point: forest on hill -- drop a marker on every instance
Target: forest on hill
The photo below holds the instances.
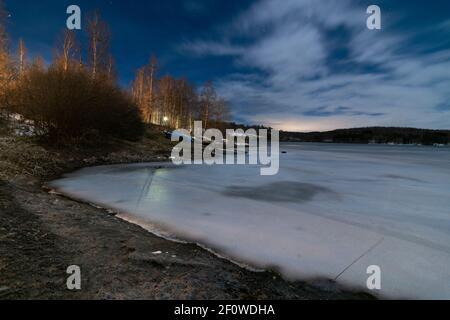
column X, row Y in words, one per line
column 381, row 135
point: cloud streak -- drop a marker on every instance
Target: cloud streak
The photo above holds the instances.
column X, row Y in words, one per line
column 315, row 66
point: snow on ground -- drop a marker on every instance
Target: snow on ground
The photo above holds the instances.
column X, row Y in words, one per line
column 332, row 211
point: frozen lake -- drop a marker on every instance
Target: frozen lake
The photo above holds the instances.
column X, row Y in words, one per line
column 332, row 211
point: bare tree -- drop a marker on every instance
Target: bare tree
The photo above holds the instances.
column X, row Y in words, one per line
column 7, row 66
column 111, row 70
column 138, row 87
column 22, row 57
column 69, row 51
column 220, row 113
column 208, row 97
column 150, row 97
column 39, row 63
column 99, row 58
column 144, row 91
column 164, row 114
column 4, row 40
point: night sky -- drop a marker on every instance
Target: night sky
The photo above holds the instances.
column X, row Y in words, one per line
column 290, row 64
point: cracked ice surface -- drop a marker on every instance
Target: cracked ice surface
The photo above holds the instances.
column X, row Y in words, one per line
column 333, row 210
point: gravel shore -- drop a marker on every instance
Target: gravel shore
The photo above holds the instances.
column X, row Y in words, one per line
column 41, row 234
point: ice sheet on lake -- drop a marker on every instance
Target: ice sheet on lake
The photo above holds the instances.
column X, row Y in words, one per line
column 332, row 211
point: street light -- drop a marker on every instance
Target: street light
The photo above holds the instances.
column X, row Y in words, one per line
column 165, row 119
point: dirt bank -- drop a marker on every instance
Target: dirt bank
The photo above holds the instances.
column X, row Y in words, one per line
column 41, row 234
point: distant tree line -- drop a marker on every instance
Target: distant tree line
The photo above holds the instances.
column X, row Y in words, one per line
column 373, row 135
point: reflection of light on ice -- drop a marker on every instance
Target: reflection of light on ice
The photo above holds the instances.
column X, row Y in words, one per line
column 323, row 215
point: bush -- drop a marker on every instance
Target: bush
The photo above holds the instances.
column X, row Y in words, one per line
column 70, row 104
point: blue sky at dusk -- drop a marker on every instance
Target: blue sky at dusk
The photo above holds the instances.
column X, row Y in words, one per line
column 291, row 64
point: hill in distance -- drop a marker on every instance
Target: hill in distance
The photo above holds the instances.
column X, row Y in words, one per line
column 382, row 135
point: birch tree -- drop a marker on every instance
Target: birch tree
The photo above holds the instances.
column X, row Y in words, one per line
column 144, row 91
column 208, row 97
column 7, row 65
column 175, row 102
column 99, row 58
column 69, row 51
column 22, row 57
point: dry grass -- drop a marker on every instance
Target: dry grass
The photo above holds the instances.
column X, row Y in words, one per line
column 22, row 157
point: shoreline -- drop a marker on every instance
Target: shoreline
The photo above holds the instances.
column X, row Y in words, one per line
column 42, row 234
column 157, row 231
